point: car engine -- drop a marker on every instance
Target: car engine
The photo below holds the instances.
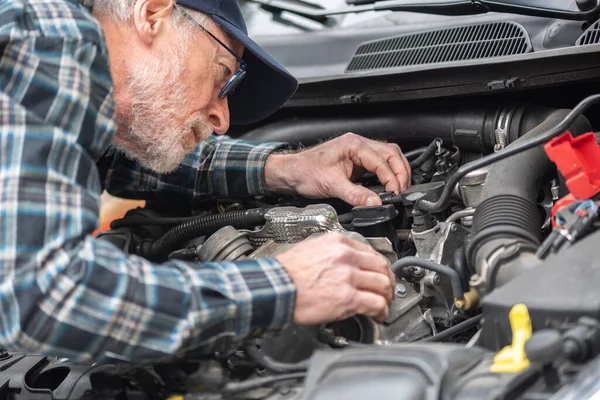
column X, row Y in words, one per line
column 493, row 248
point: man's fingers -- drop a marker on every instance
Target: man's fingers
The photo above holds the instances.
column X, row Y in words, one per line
column 373, row 162
column 356, row 195
column 370, row 304
column 397, row 161
column 373, row 282
column 407, row 166
column 367, row 258
column 399, row 168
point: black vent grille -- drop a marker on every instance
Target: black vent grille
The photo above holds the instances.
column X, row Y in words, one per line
column 470, row 42
column 590, row 36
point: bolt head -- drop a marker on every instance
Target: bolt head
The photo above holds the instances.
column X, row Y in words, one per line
column 436, row 279
column 401, row 290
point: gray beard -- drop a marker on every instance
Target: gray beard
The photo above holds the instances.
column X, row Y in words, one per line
column 151, row 131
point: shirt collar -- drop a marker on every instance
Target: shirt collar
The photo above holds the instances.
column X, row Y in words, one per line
column 89, row 4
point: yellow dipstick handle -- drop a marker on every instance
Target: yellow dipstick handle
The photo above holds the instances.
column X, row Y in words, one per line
column 512, row 358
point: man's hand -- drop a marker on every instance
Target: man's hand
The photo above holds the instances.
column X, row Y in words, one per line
column 328, row 170
column 337, row 277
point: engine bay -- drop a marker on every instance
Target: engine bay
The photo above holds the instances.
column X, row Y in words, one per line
column 494, row 251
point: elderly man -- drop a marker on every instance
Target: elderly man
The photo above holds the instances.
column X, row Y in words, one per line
column 68, row 134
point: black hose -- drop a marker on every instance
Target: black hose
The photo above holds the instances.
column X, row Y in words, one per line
column 175, row 237
column 470, row 127
column 255, row 383
column 345, row 218
column 406, row 262
column 414, row 153
column 494, row 232
column 170, row 221
column 271, row 364
column 508, row 216
column 148, row 221
column 426, row 155
column 453, row 330
column 460, row 266
column 557, row 129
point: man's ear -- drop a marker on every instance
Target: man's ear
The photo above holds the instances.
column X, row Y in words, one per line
column 149, row 17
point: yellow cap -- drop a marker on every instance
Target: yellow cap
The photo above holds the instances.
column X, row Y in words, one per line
column 512, row 358
column 176, row 397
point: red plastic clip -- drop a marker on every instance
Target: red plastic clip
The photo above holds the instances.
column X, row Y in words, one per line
column 578, row 160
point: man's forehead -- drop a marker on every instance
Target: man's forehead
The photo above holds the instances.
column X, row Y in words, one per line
column 228, row 40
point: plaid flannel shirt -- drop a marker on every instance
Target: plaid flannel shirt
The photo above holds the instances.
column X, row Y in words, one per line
column 64, row 292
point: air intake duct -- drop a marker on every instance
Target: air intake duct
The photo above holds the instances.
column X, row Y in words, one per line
column 507, row 223
column 471, row 127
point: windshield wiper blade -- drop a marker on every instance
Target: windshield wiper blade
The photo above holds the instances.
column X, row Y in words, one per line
column 449, row 8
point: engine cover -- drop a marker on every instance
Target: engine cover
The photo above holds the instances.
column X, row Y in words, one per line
column 561, row 289
column 408, row 372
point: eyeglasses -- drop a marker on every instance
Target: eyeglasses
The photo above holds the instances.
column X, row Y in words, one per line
column 238, row 77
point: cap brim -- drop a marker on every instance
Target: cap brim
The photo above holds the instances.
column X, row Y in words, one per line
column 266, row 87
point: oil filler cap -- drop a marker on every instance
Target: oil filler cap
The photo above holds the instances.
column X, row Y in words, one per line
column 512, row 358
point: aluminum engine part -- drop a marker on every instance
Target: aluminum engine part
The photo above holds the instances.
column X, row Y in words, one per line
column 471, row 186
column 438, row 244
column 293, row 224
column 286, row 226
column 226, row 244
column 382, row 245
column 405, row 323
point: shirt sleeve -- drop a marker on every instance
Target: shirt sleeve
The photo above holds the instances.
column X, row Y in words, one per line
column 220, row 166
column 65, row 293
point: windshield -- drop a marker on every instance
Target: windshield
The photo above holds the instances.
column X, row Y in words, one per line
column 262, row 22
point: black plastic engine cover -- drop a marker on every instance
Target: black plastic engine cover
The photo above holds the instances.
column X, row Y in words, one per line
column 399, row 372
column 36, row 377
column 561, row 289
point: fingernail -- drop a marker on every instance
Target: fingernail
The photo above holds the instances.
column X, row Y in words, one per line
column 372, row 201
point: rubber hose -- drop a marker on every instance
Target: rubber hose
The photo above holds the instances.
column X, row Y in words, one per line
column 175, row 237
column 426, row 155
column 509, row 210
column 504, row 216
column 345, row 218
column 414, row 153
column 453, row 330
column 148, row 221
column 271, row 364
column 406, row 262
column 460, row 266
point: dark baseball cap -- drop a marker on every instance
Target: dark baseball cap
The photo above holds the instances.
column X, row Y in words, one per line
column 267, row 84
